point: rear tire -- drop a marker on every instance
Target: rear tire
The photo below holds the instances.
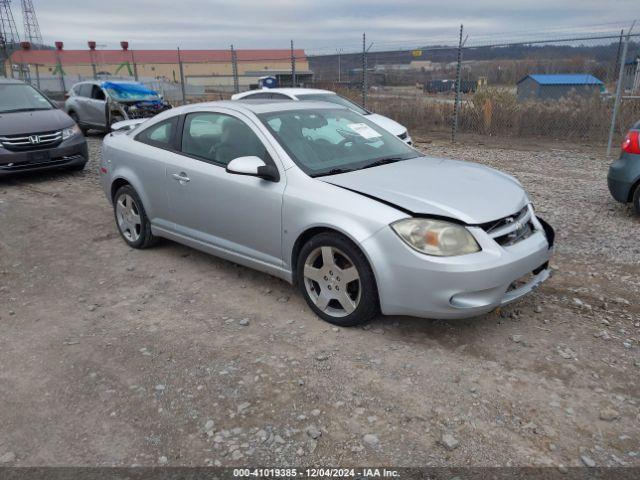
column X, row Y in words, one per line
column 636, row 200
column 131, row 218
column 336, row 280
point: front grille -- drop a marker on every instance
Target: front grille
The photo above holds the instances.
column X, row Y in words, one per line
column 28, row 165
column 32, row 141
column 512, row 229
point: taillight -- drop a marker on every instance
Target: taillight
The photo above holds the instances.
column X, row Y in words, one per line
column 631, row 143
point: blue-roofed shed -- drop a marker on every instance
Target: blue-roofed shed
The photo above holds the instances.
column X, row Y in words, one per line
column 556, row 86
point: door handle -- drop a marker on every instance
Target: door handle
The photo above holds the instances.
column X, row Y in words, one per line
column 181, row 177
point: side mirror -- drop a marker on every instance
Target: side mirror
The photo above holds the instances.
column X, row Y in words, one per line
column 253, row 167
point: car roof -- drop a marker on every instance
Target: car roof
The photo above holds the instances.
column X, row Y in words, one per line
column 258, row 106
column 288, row 91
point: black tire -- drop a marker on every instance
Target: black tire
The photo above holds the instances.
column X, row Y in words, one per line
column 144, row 238
column 368, row 305
column 636, row 200
column 75, row 118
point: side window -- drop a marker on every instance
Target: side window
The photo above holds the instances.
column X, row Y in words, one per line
column 220, row 138
column 256, row 96
column 97, row 93
column 84, row 90
column 159, row 135
column 279, row 96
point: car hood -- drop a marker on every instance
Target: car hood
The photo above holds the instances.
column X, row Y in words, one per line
column 33, row 122
column 468, row 192
column 385, row 122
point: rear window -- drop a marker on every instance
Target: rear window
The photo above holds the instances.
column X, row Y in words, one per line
column 160, row 135
column 332, row 98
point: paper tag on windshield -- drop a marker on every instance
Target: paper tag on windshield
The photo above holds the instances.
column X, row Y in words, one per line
column 364, row 130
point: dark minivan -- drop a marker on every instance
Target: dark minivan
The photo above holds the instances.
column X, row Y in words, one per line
column 624, row 173
column 34, row 133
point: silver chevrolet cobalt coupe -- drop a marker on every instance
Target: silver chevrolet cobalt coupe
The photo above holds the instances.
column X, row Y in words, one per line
column 323, row 198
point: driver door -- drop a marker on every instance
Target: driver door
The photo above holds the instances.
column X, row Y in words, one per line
column 236, row 213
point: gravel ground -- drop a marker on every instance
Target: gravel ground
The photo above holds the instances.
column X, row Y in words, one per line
column 112, row 356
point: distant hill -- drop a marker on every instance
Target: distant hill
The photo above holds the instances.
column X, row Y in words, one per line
column 325, row 66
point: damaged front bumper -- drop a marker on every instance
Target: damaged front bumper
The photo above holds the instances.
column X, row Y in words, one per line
column 137, row 110
column 411, row 283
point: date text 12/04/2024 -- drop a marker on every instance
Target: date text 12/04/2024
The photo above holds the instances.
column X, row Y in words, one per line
column 316, row 472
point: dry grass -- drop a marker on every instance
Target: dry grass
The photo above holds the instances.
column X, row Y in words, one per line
column 496, row 112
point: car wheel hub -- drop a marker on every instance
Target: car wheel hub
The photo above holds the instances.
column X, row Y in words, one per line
column 332, row 281
column 128, row 216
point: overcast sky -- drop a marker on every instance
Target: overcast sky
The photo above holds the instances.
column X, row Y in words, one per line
column 317, row 26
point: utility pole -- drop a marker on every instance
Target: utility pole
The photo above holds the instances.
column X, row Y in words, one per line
column 616, row 103
column 293, row 66
column 184, row 93
column 135, row 67
column 234, row 70
column 618, row 53
column 365, row 79
column 339, row 51
column 456, row 107
column 364, row 70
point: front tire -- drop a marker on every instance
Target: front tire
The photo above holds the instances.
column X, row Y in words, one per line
column 636, row 200
column 336, row 280
column 131, row 218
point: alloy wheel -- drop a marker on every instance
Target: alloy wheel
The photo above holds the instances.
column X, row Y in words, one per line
column 128, row 215
column 332, row 281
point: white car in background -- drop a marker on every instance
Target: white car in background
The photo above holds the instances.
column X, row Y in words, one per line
column 316, row 95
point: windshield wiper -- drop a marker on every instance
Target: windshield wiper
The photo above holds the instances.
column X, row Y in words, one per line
column 334, row 171
column 23, row 110
column 384, row 161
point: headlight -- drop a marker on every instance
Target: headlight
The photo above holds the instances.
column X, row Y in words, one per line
column 436, row 237
column 70, row 132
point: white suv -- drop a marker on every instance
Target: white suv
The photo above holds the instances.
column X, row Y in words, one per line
column 315, row 95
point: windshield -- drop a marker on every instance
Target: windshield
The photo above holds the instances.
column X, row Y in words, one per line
column 326, row 142
column 333, row 98
column 20, row 97
column 130, row 92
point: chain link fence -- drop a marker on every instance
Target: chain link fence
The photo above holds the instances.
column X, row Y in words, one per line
column 556, row 89
column 564, row 87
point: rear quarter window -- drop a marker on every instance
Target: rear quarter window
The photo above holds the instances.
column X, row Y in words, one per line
column 160, row 135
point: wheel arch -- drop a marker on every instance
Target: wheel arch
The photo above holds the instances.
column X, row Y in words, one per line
column 632, row 190
column 313, row 231
column 127, row 177
column 116, row 184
